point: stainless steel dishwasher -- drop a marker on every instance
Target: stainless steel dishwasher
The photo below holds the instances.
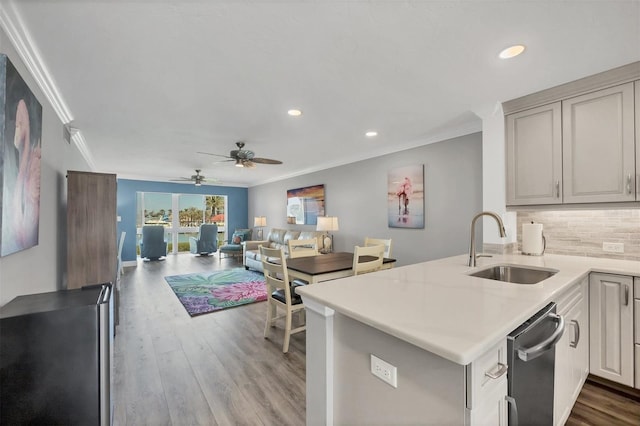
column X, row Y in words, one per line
column 531, row 352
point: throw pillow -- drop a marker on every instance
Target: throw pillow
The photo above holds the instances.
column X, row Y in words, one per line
column 245, row 233
column 237, row 237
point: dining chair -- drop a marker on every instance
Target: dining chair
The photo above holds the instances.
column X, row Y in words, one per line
column 303, row 248
column 119, row 258
column 374, row 241
column 280, row 293
column 364, row 266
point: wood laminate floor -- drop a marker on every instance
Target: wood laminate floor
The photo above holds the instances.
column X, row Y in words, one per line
column 217, row 369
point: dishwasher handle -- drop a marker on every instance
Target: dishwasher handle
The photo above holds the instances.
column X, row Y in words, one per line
column 527, row 354
column 513, row 410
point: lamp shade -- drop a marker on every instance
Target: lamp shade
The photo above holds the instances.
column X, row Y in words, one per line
column 260, row 221
column 327, row 223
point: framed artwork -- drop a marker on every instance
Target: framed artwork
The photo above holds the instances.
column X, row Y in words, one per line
column 405, row 197
column 20, row 144
column 304, row 205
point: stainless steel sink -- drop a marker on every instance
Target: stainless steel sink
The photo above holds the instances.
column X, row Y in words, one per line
column 515, row 274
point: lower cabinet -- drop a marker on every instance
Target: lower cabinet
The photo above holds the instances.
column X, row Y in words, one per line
column 611, row 327
column 487, row 387
column 636, row 307
column 572, row 351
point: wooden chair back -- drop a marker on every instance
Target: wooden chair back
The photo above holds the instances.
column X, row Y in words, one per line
column 375, row 241
column 303, row 248
column 279, row 293
column 361, row 266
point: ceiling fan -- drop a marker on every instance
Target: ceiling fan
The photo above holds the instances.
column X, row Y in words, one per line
column 197, row 179
column 244, row 157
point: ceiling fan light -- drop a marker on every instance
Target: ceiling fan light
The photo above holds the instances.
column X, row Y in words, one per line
column 239, row 163
column 198, row 183
column 294, row 112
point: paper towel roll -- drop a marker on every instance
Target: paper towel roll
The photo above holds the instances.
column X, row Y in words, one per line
column 532, row 239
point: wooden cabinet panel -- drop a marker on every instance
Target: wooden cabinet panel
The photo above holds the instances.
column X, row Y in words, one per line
column 598, row 146
column 91, row 228
column 534, row 156
column 611, row 327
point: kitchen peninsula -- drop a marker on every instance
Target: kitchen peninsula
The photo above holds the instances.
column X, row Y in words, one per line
column 441, row 328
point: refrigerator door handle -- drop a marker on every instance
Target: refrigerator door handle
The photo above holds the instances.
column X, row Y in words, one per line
column 527, row 354
column 105, row 293
column 513, row 410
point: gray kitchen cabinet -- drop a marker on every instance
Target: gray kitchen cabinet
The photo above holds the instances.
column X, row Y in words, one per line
column 534, row 156
column 636, row 308
column 611, row 327
column 637, row 86
column 587, row 152
column 598, row 145
column 572, row 351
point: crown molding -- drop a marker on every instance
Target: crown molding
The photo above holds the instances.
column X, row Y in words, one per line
column 19, row 37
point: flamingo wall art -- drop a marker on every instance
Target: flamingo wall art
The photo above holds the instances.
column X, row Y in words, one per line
column 20, row 144
column 405, row 197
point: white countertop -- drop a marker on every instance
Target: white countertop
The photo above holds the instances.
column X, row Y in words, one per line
column 438, row 307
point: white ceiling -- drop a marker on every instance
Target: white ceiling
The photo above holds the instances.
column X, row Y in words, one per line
column 150, row 83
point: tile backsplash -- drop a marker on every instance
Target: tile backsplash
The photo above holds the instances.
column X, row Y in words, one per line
column 582, row 232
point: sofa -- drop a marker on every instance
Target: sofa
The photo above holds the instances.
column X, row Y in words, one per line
column 277, row 238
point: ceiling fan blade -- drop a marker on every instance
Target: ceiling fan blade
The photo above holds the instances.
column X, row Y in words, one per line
column 215, row 155
column 248, row 164
column 181, row 179
column 266, row 161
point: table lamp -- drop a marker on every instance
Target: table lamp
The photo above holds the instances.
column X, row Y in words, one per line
column 259, row 222
column 327, row 223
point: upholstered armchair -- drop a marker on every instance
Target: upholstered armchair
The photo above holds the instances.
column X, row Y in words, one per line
column 153, row 245
column 207, row 240
column 234, row 246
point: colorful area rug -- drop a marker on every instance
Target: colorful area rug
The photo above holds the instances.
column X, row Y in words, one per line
column 202, row 293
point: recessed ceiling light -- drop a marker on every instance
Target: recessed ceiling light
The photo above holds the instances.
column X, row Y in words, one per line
column 371, row 133
column 511, row 51
column 294, row 112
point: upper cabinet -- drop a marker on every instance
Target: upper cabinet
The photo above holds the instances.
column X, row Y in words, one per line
column 637, row 85
column 534, row 156
column 576, row 143
column 598, row 146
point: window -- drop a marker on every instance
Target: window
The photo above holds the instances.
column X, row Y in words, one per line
column 155, row 208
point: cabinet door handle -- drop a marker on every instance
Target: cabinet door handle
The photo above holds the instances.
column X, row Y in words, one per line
column 625, row 295
column 576, row 324
column 629, row 184
column 557, row 189
column 501, row 371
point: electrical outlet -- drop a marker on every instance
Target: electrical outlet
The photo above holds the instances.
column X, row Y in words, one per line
column 384, row 371
column 613, row 247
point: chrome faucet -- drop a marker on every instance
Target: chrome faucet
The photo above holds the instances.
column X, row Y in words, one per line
column 472, row 248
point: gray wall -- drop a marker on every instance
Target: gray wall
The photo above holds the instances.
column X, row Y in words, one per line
column 41, row 268
column 356, row 194
column 431, row 389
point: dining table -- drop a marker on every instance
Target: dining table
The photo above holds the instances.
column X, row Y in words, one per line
column 329, row 266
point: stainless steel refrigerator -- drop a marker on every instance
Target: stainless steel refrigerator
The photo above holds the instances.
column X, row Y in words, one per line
column 55, row 358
